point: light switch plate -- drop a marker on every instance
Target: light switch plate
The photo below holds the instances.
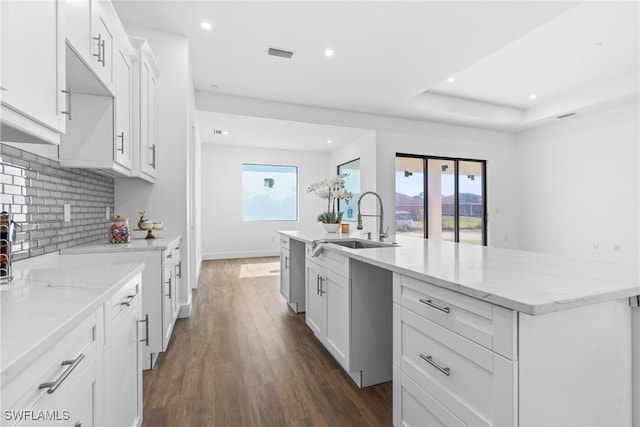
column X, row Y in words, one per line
column 67, row 212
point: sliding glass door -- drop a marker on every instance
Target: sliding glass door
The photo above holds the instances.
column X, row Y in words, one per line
column 450, row 191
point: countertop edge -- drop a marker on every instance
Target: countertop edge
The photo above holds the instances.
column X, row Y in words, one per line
column 471, row 291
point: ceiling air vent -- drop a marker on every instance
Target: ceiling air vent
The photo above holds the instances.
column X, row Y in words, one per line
column 282, row 53
column 564, row 116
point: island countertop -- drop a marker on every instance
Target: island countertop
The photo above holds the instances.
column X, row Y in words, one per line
column 40, row 306
column 528, row 282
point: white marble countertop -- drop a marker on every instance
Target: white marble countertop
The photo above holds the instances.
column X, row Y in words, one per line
column 137, row 244
column 529, row 282
column 41, row 306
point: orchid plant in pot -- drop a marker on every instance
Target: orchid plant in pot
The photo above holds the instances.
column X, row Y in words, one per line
column 332, row 190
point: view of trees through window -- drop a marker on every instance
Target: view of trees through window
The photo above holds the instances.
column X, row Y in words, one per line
column 441, row 198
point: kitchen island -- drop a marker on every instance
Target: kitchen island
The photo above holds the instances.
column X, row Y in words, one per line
column 481, row 335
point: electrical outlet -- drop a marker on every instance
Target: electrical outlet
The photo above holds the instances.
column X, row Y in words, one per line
column 107, row 213
column 67, row 212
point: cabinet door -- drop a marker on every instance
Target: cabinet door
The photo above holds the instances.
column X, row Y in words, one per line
column 284, row 274
column 123, row 138
column 337, row 316
column 83, row 399
column 33, row 63
column 78, row 27
column 103, row 47
column 148, row 118
column 122, row 372
column 315, row 301
column 167, row 305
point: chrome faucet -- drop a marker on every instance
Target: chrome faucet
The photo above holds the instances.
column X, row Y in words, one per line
column 382, row 234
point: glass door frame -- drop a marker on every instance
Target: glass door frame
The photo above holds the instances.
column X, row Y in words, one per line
column 425, row 183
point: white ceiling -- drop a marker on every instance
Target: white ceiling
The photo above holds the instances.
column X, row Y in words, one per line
column 394, row 58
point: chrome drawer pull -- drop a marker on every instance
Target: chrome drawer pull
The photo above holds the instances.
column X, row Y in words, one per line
column 286, row 262
column 53, row 386
column 146, row 328
column 131, row 298
column 434, row 305
column 430, row 360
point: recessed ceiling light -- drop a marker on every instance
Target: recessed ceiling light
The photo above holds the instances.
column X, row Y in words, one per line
column 451, row 79
column 225, row 132
column 533, row 96
column 206, row 25
column 329, row 141
column 329, row 52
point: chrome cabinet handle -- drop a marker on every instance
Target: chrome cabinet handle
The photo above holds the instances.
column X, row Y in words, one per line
column 286, row 262
column 131, row 298
column 430, row 360
column 153, row 156
column 121, row 136
column 68, row 112
column 146, row 329
column 317, row 284
column 53, row 386
column 322, row 292
column 169, row 294
column 179, row 270
column 170, row 255
column 100, row 54
column 434, row 305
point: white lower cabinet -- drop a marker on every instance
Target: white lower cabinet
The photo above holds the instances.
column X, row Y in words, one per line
column 349, row 309
column 89, row 377
column 328, row 310
column 458, row 360
column 123, row 360
column 160, row 288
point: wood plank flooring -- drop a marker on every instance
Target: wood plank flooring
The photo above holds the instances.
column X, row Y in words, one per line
column 245, row 359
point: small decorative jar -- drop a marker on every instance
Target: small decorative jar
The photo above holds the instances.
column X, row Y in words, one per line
column 119, row 232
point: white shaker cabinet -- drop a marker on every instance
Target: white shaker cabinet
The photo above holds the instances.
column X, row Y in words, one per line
column 160, row 284
column 292, row 273
column 124, row 111
column 145, row 84
column 462, row 361
column 123, row 358
column 91, row 31
column 33, row 71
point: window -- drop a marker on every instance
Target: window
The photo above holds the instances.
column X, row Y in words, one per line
column 269, row 192
column 352, row 184
column 450, row 191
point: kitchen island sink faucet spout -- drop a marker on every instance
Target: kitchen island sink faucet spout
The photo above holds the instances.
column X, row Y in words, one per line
column 382, row 235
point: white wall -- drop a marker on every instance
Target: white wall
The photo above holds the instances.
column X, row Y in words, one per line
column 224, row 234
column 578, row 191
column 408, row 136
column 167, row 199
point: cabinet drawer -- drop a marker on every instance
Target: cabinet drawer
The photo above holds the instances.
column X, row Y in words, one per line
column 171, row 255
column 79, row 345
column 122, row 302
column 473, row 382
column 335, row 262
column 489, row 325
column 284, row 242
column 412, row 406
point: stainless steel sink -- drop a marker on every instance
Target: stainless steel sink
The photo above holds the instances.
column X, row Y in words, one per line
column 361, row 244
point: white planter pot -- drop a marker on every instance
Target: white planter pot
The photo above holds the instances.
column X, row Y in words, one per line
column 331, row 228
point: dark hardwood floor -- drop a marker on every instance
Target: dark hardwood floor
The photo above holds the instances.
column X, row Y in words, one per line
column 245, row 359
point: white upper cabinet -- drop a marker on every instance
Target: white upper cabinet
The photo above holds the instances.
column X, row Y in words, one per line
column 100, row 130
column 124, row 98
column 33, row 71
column 145, row 81
column 90, row 32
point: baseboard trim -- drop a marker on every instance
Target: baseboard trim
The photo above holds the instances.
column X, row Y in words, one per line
column 232, row 255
